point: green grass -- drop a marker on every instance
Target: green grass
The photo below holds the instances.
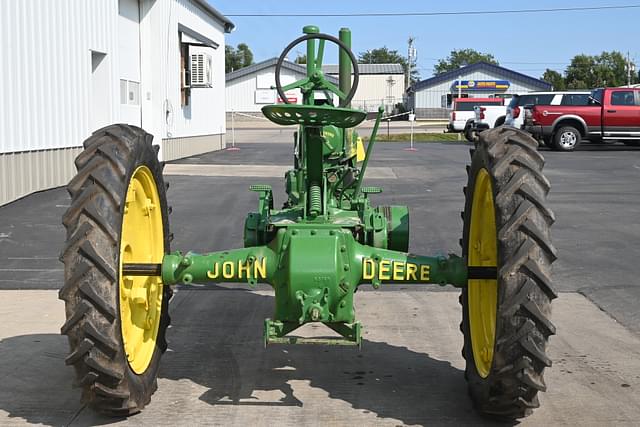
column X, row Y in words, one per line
column 417, row 137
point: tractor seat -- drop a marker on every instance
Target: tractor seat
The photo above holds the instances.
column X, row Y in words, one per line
column 313, row 115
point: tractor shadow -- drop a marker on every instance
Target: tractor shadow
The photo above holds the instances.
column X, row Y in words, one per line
column 216, row 342
column 35, row 384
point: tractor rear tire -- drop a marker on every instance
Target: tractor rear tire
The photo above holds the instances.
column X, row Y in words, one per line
column 505, row 370
column 100, row 197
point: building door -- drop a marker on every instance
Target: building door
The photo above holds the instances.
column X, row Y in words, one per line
column 129, row 61
column 100, row 110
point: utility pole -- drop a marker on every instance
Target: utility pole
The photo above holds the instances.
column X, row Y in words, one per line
column 628, row 70
column 390, row 98
column 412, row 55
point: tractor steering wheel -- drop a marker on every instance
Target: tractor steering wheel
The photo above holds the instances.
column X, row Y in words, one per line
column 317, row 81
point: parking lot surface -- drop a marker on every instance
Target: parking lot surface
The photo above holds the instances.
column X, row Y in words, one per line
column 409, row 370
column 217, row 372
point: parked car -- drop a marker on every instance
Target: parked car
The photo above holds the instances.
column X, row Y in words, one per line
column 463, row 111
column 612, row 114
column 485, row 117
column 515, row 109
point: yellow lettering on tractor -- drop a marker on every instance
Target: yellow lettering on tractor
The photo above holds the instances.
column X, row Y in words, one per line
column 368, row 269
column 260, row 269
column 385, row 268
column 228, row 270
column 424, row 273
column 411, row 271
column 243, row 267
column 215, row 272
column 398, row 271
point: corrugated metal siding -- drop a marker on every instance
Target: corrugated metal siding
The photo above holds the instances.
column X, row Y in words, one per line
column 160, row 66
column 428, row 101
column 177, row 148
column 367, row 69
column 46, row 67
column 206, row 115
column 45, row 83
column 29, row 171
column 240, row 92
column 373, row 90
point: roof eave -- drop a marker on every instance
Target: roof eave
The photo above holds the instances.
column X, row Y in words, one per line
column 292, row 66
column 446, row 75
column 211, row 11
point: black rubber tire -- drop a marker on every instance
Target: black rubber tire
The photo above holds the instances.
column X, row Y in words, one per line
column 91, row 259
column 500, row 121
column 557, row 144
column 469, row 134
column 525, row 291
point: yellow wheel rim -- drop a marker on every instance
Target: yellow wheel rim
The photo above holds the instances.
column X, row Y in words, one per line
column 483, row 293
column 142, row 241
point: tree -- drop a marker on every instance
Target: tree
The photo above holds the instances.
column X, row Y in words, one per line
column 611, row 69
column 579, row 73
column 460, row 58
column 606, row 69
column 245, row 56
column 384, row 55
column 301, row 59
column 555, row 78
column 236, row 58
column 381, row 55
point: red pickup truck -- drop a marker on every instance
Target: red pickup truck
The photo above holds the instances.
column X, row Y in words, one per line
column 612, row 114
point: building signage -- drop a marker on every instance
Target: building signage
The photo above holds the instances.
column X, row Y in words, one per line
column 470, row 85
column 292, row 98
column 265, row 96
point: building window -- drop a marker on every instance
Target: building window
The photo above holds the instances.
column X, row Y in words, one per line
column 185, row 75
column 123, row 91
column 129, row 92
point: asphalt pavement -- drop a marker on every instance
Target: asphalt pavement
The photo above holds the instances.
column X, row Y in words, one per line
column 408, row 372
column 595, row 196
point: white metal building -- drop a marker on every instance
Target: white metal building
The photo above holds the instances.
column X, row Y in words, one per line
column 249, row 89
column 433, row 97
column 71, row 67
column 380, row 84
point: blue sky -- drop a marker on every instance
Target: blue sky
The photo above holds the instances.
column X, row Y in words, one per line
column 528, row 43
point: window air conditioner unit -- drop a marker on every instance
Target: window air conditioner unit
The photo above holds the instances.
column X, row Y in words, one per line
column 201, row 70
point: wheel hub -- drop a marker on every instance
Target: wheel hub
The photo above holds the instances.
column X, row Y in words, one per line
column 482, row 294
column 142, row 241
column 568, row 139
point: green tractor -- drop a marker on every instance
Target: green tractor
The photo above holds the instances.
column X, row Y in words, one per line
column 326, row 241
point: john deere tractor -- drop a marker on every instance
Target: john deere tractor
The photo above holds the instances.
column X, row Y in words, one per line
column 325, row 241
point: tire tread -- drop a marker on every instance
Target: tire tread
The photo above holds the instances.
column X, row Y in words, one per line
column 525, row 253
